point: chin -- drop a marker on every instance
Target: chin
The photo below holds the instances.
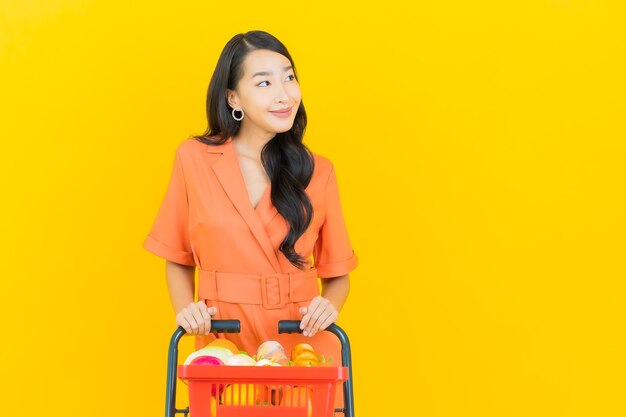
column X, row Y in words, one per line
column 281, row 129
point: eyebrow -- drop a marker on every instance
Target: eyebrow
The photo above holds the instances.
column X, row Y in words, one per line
column 270, row 72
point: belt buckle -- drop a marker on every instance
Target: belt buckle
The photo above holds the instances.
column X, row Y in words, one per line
column 272, row 288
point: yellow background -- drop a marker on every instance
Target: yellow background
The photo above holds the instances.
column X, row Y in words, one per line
column 479, row 147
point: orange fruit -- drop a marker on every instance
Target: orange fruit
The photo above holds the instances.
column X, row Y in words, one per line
column 299, row 348
column 225, row 343
column 306, row 358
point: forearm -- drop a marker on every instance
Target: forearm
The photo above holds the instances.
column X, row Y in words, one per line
column 180, row 284
column 336, row 290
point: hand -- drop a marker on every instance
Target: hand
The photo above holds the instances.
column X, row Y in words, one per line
column 320, row 314
column 196, row 318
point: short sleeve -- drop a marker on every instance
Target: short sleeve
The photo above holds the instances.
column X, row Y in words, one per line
column 332, row 253
column 169, row 236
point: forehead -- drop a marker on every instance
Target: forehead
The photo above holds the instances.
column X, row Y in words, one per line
column 264, row 60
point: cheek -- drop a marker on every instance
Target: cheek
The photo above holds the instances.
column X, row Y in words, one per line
column 256, row 109
column 295, row 92
column 257, row 103
column 254, row 100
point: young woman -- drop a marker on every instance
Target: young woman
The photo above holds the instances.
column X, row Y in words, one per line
column 248, row 204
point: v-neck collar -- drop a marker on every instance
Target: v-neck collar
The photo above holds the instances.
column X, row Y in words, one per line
column 228, row 172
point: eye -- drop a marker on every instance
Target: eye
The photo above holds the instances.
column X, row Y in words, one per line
column 293, row 77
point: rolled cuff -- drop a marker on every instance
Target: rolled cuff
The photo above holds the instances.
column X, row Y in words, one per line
column 159, row 249
column 339, row 268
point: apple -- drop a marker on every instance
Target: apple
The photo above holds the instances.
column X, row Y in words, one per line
column 206, row 360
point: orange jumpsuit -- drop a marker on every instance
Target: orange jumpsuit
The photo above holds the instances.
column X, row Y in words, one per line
column 207, row 220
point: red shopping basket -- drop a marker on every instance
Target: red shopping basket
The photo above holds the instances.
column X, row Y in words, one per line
column 260, row 391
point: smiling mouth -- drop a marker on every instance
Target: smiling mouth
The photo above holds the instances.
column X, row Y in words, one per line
column 283, row 114
column 287, row 110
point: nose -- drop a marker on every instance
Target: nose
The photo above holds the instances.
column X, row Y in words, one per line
column 281, row 94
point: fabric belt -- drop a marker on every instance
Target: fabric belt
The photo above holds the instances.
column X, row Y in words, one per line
column 273, row 291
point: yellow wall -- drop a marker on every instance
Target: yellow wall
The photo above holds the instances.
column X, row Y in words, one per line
column 479, row 147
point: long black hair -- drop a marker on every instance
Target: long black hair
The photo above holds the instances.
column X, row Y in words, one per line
column 287, row 161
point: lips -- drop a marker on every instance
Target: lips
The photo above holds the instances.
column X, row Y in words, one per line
column 287, row 110
column 282, row 113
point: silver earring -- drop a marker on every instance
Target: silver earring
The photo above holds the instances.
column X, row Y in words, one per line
column 235, row 117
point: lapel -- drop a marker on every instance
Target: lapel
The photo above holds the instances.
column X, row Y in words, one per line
column 228, row 172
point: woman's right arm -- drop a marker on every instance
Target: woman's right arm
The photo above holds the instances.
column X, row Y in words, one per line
column 195, row 317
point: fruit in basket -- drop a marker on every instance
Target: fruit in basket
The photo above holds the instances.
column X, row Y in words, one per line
column 219, row 352
column 206, row 360
column 240, row 394
column 267, row 362
column 240, row 359
column 307, row 358
column 303, row 354
column 225, row 343
column 296, row 396
column 273, row 351
column 299, row 348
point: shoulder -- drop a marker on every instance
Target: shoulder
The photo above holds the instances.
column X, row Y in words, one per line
column 193, row 149
column 323, row 172
column 323, row 165
column 190, row 146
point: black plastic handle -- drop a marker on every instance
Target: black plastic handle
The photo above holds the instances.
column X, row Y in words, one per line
column 217, row 326
column 225, row 326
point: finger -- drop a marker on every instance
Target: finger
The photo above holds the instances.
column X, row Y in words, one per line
column 206, row 319
column 314, row 315
column 324, row 321
column 328, row 322
column 182, row 321
column 319, row 310
column 179, row 322
column 212, row 311
column 303, row 310
column 191, row 318
column 307, row 316
column 199, row 317
column 322, row 318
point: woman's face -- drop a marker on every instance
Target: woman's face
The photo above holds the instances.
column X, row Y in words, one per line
column 268, row 84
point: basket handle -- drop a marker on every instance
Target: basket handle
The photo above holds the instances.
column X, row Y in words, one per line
column 217, row 326
column 293, row 326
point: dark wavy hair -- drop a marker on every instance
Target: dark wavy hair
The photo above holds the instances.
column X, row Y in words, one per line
column 287, row 161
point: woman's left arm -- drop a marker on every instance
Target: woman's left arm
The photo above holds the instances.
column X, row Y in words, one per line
column 324, row 309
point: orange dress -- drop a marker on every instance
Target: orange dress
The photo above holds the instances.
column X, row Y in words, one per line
column 207, row 220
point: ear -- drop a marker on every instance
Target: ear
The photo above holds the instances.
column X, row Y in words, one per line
column 232, row 99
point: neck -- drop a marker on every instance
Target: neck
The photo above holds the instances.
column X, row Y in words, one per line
column 251, row 146
column 251, row 143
